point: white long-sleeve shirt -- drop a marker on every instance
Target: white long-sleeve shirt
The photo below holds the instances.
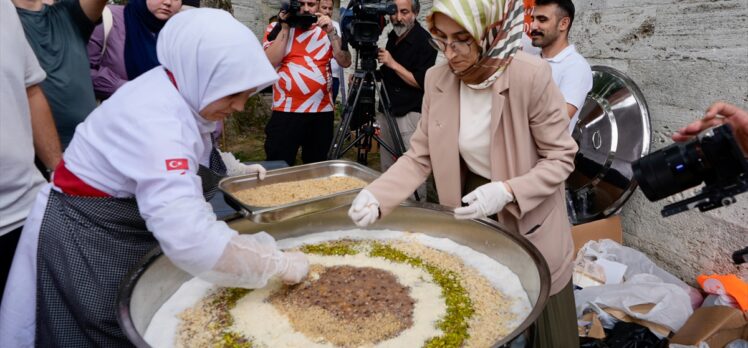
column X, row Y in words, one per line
column 132, row 154
column 146, row 142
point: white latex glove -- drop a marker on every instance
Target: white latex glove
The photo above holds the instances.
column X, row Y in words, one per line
column 234, row 167
column 254, row 169
column 364, row 209
column 486, row 200
column 248, row 261
column 296, row 268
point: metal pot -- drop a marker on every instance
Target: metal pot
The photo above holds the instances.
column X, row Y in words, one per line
column 155, row 279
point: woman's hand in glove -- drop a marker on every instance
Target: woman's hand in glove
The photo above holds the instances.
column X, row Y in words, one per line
column 234, row 167
column 364, row 209
column 255, row 169
column 248, row 261
column 296, row 267
column 484, row 201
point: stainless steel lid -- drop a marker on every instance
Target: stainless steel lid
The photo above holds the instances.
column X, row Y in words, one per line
column 613, row 131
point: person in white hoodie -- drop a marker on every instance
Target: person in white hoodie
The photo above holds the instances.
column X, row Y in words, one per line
column 133, row 178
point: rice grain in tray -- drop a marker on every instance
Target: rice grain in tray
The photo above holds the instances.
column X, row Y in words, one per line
column 293, row 191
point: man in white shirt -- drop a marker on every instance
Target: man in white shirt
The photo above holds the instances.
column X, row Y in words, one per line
column 549, row 30
column 27, row 130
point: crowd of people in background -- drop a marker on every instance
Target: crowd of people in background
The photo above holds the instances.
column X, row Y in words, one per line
column 303, row 113
column 132, row 95
column 123, row 46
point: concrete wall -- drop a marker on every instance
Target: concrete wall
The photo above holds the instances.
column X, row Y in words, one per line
column 683, row 55
column 255, row 13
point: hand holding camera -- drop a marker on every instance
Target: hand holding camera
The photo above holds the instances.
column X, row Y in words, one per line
column 283, row 16
column 711, row 151
column 717, row 114
column 325, row 22
column 384, row 57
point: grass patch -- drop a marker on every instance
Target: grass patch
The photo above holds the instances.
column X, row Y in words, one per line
column 244, row 133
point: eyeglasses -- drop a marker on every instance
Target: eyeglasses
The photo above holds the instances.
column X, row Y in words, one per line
column 459, row 47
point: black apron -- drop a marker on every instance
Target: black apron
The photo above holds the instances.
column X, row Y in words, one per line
column 87, row 245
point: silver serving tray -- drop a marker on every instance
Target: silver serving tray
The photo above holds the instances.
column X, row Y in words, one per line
column 229, row 186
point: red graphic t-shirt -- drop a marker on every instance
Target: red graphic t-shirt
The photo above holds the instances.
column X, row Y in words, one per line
column 529, row 7
column 304, row 72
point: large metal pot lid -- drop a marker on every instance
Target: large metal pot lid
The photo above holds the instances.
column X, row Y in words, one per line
column 613, row 131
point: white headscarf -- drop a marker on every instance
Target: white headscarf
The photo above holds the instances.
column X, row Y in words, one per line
column 212, row 55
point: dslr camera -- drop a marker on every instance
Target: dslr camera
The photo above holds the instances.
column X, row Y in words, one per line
column 713, row 158
column 296, row 19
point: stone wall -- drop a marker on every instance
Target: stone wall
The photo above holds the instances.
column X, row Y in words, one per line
column 255, row 13
column 683, row 54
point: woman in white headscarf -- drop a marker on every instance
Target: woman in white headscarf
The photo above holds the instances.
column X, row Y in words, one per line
column 493, row 131
column 134, row 178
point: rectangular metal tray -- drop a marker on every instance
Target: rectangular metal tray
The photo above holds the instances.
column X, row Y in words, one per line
column 233, row 184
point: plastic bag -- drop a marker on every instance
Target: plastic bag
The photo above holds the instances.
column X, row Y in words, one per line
column 589, row 342
column 625, row 335
column 631, row 335
column 637, row 263
column 672, row 305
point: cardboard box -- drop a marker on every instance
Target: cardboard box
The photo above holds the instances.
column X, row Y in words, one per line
column 608, row 228
column 717, row 326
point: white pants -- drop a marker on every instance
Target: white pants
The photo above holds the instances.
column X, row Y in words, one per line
column 407, row 125
column 18, row 310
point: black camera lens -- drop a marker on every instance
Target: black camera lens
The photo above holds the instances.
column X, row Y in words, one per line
column 670, row 170
column 713, row 158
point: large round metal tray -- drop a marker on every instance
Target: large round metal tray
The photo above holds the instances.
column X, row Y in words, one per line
column 155, row 279
column 613, row 131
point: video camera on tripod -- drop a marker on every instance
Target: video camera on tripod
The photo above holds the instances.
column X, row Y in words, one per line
column 365, row 26
column 362, row 24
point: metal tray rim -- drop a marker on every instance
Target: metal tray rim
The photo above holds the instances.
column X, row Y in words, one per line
column 257, row 211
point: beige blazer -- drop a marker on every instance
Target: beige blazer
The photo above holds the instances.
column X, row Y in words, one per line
column 531, row 150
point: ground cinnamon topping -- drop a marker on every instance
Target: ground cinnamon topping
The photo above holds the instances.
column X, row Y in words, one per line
column 364, row 302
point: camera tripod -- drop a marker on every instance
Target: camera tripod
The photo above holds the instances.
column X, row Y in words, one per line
column 359, row 116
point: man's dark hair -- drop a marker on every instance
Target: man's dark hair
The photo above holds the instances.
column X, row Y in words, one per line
column 565, row 6
column 415, row 6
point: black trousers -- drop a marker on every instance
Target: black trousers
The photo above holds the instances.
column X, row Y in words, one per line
column 8, row 243
column 286, row 132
